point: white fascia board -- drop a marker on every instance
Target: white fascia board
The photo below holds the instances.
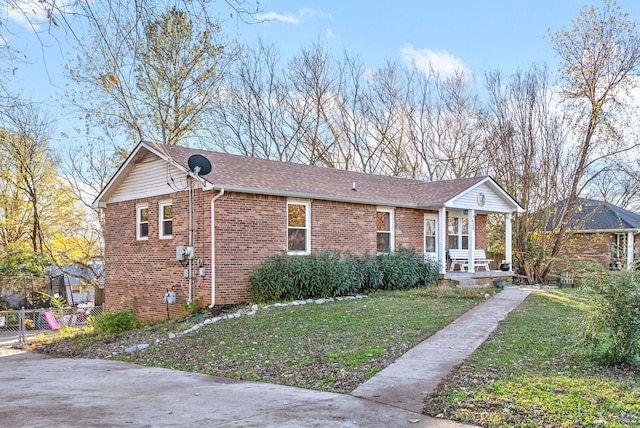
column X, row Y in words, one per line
column 129, row 163
column 634, row 231
column 206, row 185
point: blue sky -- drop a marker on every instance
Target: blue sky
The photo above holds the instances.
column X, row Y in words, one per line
column 479, row 35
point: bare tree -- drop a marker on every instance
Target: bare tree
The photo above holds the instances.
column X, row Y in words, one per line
column 386, row 108
column 313, row 104
column 617, row 183
column 252, row 118
column 598, row 57
column 358, row 151
column 445, row 125
column 524, row 147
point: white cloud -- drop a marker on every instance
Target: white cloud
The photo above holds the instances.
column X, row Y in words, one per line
column 293, row 18
column 25, row 13
column 425, row 60
column 330, row 34
column 274, row 16
column 34, row 14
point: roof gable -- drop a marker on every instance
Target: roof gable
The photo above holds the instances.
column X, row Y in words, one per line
column 263, row 176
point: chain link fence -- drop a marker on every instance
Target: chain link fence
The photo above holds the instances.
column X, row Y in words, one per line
column 16, row 326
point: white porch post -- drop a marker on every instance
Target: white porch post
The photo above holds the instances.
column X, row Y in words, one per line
column 507, row 238
column 630, row 247
column 471, row 221
column 441, row 239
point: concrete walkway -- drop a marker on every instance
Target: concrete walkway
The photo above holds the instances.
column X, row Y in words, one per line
column 406, row 382
column 43, row 391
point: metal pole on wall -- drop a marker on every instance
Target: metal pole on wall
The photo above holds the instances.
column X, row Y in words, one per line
column 190, row 257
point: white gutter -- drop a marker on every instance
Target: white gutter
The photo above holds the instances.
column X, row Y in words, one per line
column 213, row 248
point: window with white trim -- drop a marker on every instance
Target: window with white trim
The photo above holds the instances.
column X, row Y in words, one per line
column 458, row 231
column 385, row 230
column 166, row 219
column 142, row 222
column 298, row 227
column 619, row 246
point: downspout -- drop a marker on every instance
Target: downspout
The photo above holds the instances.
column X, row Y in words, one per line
column 190, row 257
column 213, row 248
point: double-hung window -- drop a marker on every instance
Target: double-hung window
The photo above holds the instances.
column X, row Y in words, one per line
column 458, row 231
column 298, row 227
column 619, row 246
column 142, row 222
column 384, row 228
column 166, row 219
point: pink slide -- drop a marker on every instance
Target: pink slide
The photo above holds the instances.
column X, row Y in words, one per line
column 53, row 324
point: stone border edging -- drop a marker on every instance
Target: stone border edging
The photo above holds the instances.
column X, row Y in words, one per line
column 241, row 312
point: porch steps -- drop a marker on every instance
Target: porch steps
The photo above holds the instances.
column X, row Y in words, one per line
column 473, row 282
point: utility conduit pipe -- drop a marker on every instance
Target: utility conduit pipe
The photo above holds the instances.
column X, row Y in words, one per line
column 213, row 248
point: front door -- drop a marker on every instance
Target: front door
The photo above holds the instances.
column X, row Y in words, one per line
column 431, row 236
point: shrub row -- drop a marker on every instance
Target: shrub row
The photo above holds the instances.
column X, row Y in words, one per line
column 328, row 274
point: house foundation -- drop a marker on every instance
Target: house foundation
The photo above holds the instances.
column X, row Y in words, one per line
column 481, row 279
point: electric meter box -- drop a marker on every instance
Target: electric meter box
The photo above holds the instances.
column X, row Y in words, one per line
column 184, row 253
column 171, row 297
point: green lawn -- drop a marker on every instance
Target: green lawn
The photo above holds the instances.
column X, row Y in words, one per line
column 528, row 374
column 333, row 346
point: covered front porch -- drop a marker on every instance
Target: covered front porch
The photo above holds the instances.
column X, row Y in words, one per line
column 456, row 233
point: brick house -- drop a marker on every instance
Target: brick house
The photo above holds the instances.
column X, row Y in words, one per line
column 599, row 232
column 224, row 223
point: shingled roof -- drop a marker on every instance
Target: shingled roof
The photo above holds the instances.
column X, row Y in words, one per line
column 592, row 215
column 263, row 176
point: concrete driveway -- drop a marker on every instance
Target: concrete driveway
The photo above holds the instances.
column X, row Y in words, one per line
column 39, row 390
column 42, row 391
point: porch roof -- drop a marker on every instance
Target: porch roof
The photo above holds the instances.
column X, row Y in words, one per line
column 262, row 176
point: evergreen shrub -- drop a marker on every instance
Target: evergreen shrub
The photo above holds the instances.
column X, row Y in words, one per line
column 328, row 274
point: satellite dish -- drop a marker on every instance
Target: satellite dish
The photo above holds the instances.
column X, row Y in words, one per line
column 199, row 165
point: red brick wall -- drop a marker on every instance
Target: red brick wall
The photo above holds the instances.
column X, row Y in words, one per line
column 248, row 229
column 481, row 232
column 410, row 228
column 584, row 247
column 340, row 226
column 145, row 269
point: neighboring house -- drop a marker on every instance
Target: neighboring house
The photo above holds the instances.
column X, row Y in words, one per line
column 599, row 232
column 75, row 282
column 167, row 229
